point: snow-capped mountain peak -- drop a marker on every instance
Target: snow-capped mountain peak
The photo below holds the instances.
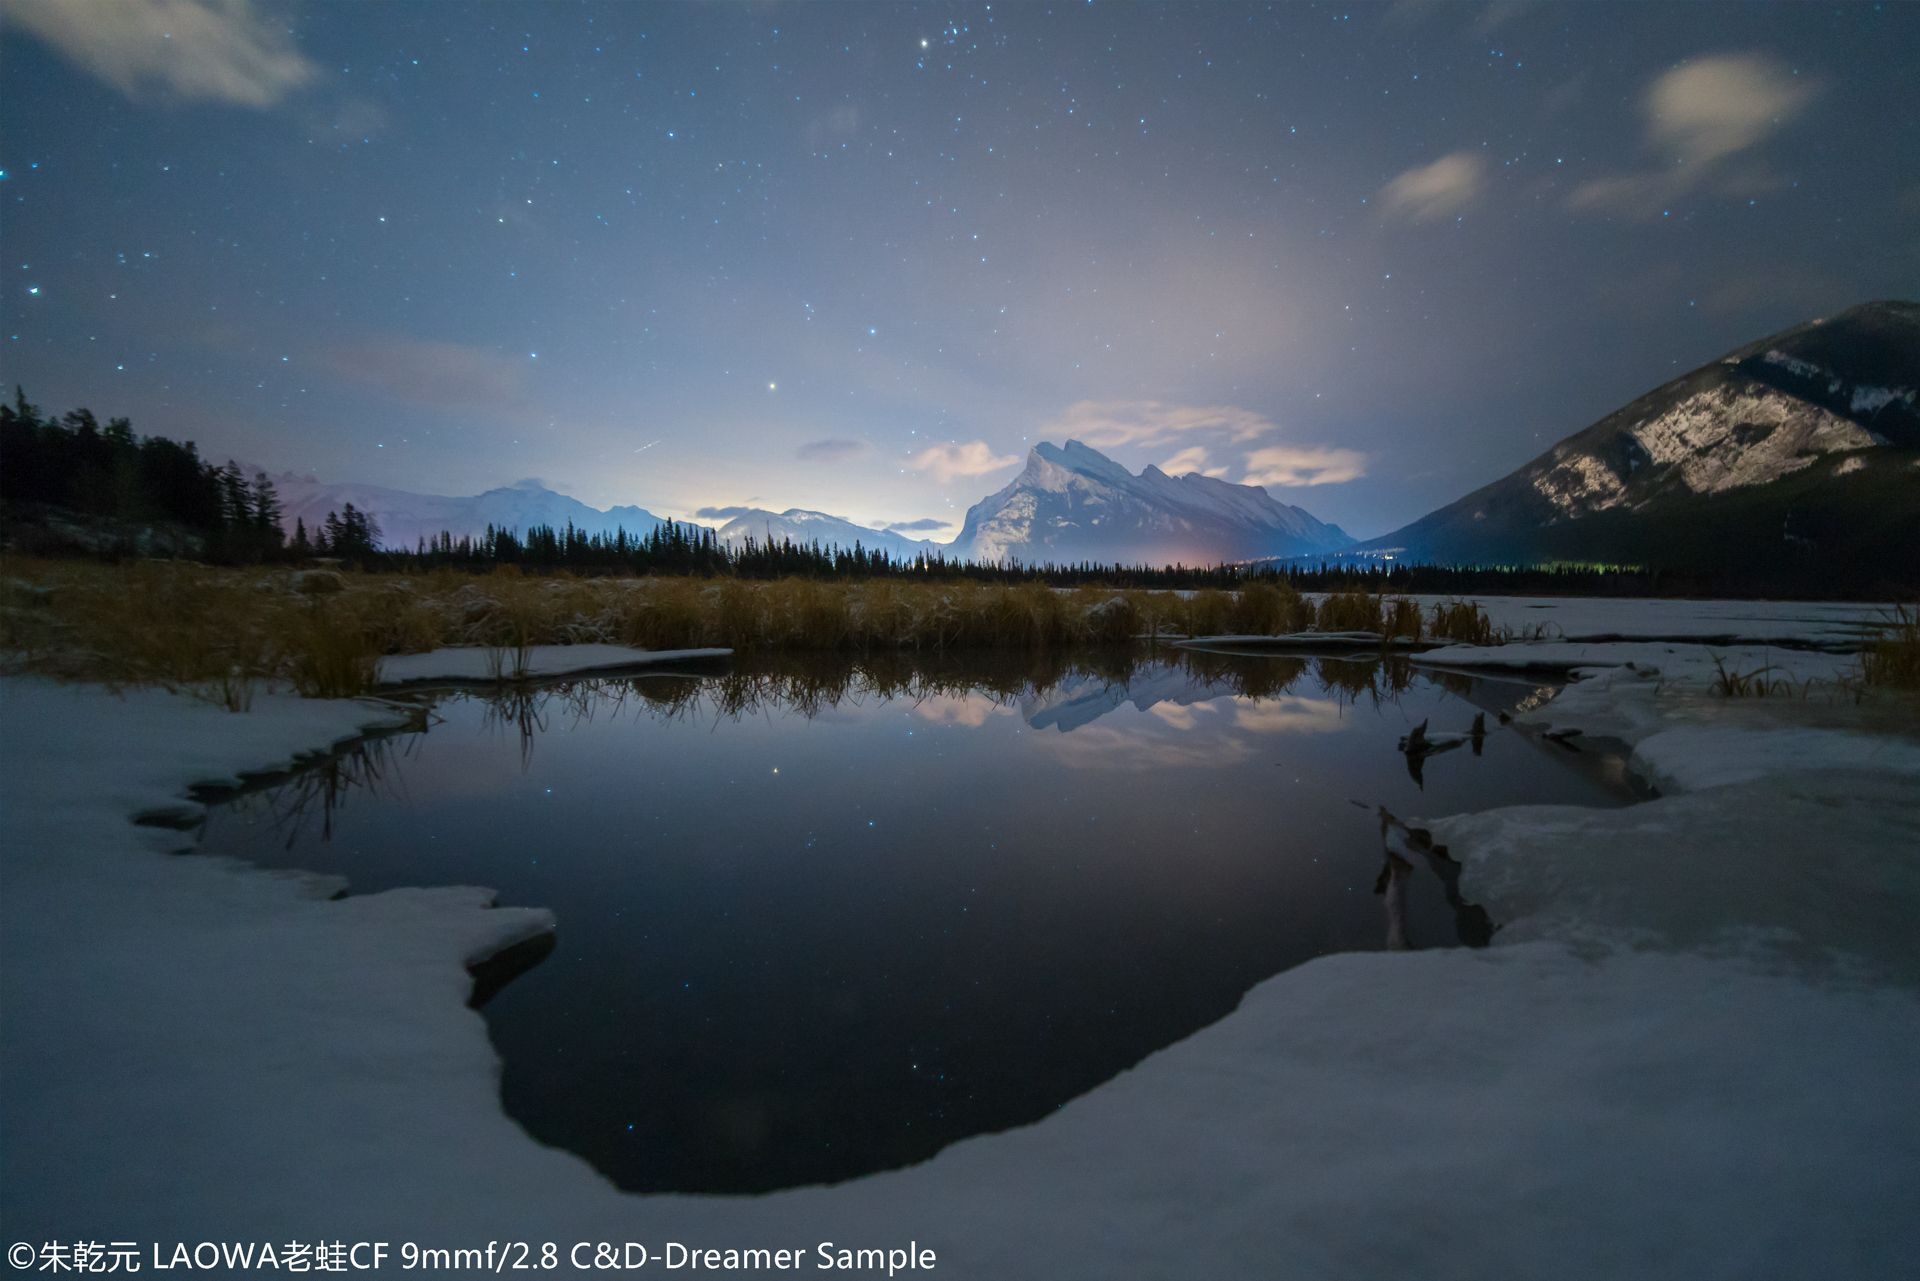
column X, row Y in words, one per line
column 1073, row 503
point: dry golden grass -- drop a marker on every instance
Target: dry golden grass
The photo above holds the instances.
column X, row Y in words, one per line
column 1893, row 657
column 223, row 633
column 1463, row 621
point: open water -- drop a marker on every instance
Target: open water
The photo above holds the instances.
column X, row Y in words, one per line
column 820, row 918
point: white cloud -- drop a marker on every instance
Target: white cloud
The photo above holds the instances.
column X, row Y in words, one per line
column 974, row 458
column 1438, row 190
column 1293, row 467
column 1698, row 116
column 218, row 49
column 1716, row 106
column 1105, row 424
column 1192, row 458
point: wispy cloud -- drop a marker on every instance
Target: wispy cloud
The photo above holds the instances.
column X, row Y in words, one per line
column 1438, row 190
column 975, row 458
column 1296, row 468
column 1106, row 424
column 217, row 50
column 721, row 513
column 435, row 374
column 917, row 526
column 1700, row 115
column 832, row 451
column 1192, row 458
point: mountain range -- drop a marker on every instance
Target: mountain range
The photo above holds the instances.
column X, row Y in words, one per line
column 1799, row 450
column 1074, row 504
column 406, row 518
column 1802, row 447
column 804, row 528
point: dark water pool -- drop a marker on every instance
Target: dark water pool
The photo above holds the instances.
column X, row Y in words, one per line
column 817, row 920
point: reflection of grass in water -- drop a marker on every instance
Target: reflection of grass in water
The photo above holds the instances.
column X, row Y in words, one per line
column 1347, row 680
column 321, row 789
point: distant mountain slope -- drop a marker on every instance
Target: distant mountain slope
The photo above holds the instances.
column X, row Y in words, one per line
column 406, row 518
column 1075, row 503
column 803, row 528
column 1802, row 445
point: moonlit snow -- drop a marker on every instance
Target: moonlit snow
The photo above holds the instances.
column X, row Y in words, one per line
column 1690, row 1052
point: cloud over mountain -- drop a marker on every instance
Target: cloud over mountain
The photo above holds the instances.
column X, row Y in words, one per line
column 975, row 458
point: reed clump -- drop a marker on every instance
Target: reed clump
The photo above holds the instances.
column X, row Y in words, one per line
column 1350, row 612
column 1892, row 658
column 1463, row 621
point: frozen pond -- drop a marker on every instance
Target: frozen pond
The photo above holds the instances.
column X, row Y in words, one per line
column 820, row 919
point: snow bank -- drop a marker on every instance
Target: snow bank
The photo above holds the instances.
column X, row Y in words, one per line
column 1690, row 1053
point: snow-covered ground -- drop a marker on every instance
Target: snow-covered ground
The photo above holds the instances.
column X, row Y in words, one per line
column 1691, row 1051
column 1742, row 622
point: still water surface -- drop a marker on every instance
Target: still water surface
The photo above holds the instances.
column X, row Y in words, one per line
column 820, row 919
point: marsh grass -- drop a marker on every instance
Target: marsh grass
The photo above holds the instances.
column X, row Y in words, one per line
column 1463, row 621
column 1892, row 658
column 1753, row 684
column 224, row 634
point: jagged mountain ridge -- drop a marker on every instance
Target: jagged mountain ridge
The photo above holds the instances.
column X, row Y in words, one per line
column 1802, row 438
column 405, row 518
column 1073, row 504
column 804, row 528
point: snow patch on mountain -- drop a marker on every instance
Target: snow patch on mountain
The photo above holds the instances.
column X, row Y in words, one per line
column 1871, row 400
column 1723, row 438
column 1581, row 483
column 1717, row 439
column 1806, row 369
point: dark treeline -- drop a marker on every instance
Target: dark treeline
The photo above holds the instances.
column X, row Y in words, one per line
column 72, row 464
column 120, row 483
column 691, row 549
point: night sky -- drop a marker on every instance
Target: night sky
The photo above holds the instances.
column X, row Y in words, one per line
column 859, row 257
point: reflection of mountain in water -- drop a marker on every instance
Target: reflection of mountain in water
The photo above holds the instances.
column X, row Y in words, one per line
column 1083, row 698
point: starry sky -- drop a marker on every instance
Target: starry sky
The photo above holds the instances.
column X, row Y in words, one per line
column 860, row 257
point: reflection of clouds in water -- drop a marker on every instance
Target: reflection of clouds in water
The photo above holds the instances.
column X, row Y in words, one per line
column 1180, row 717
column 970, row 710
column 1287, row 715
